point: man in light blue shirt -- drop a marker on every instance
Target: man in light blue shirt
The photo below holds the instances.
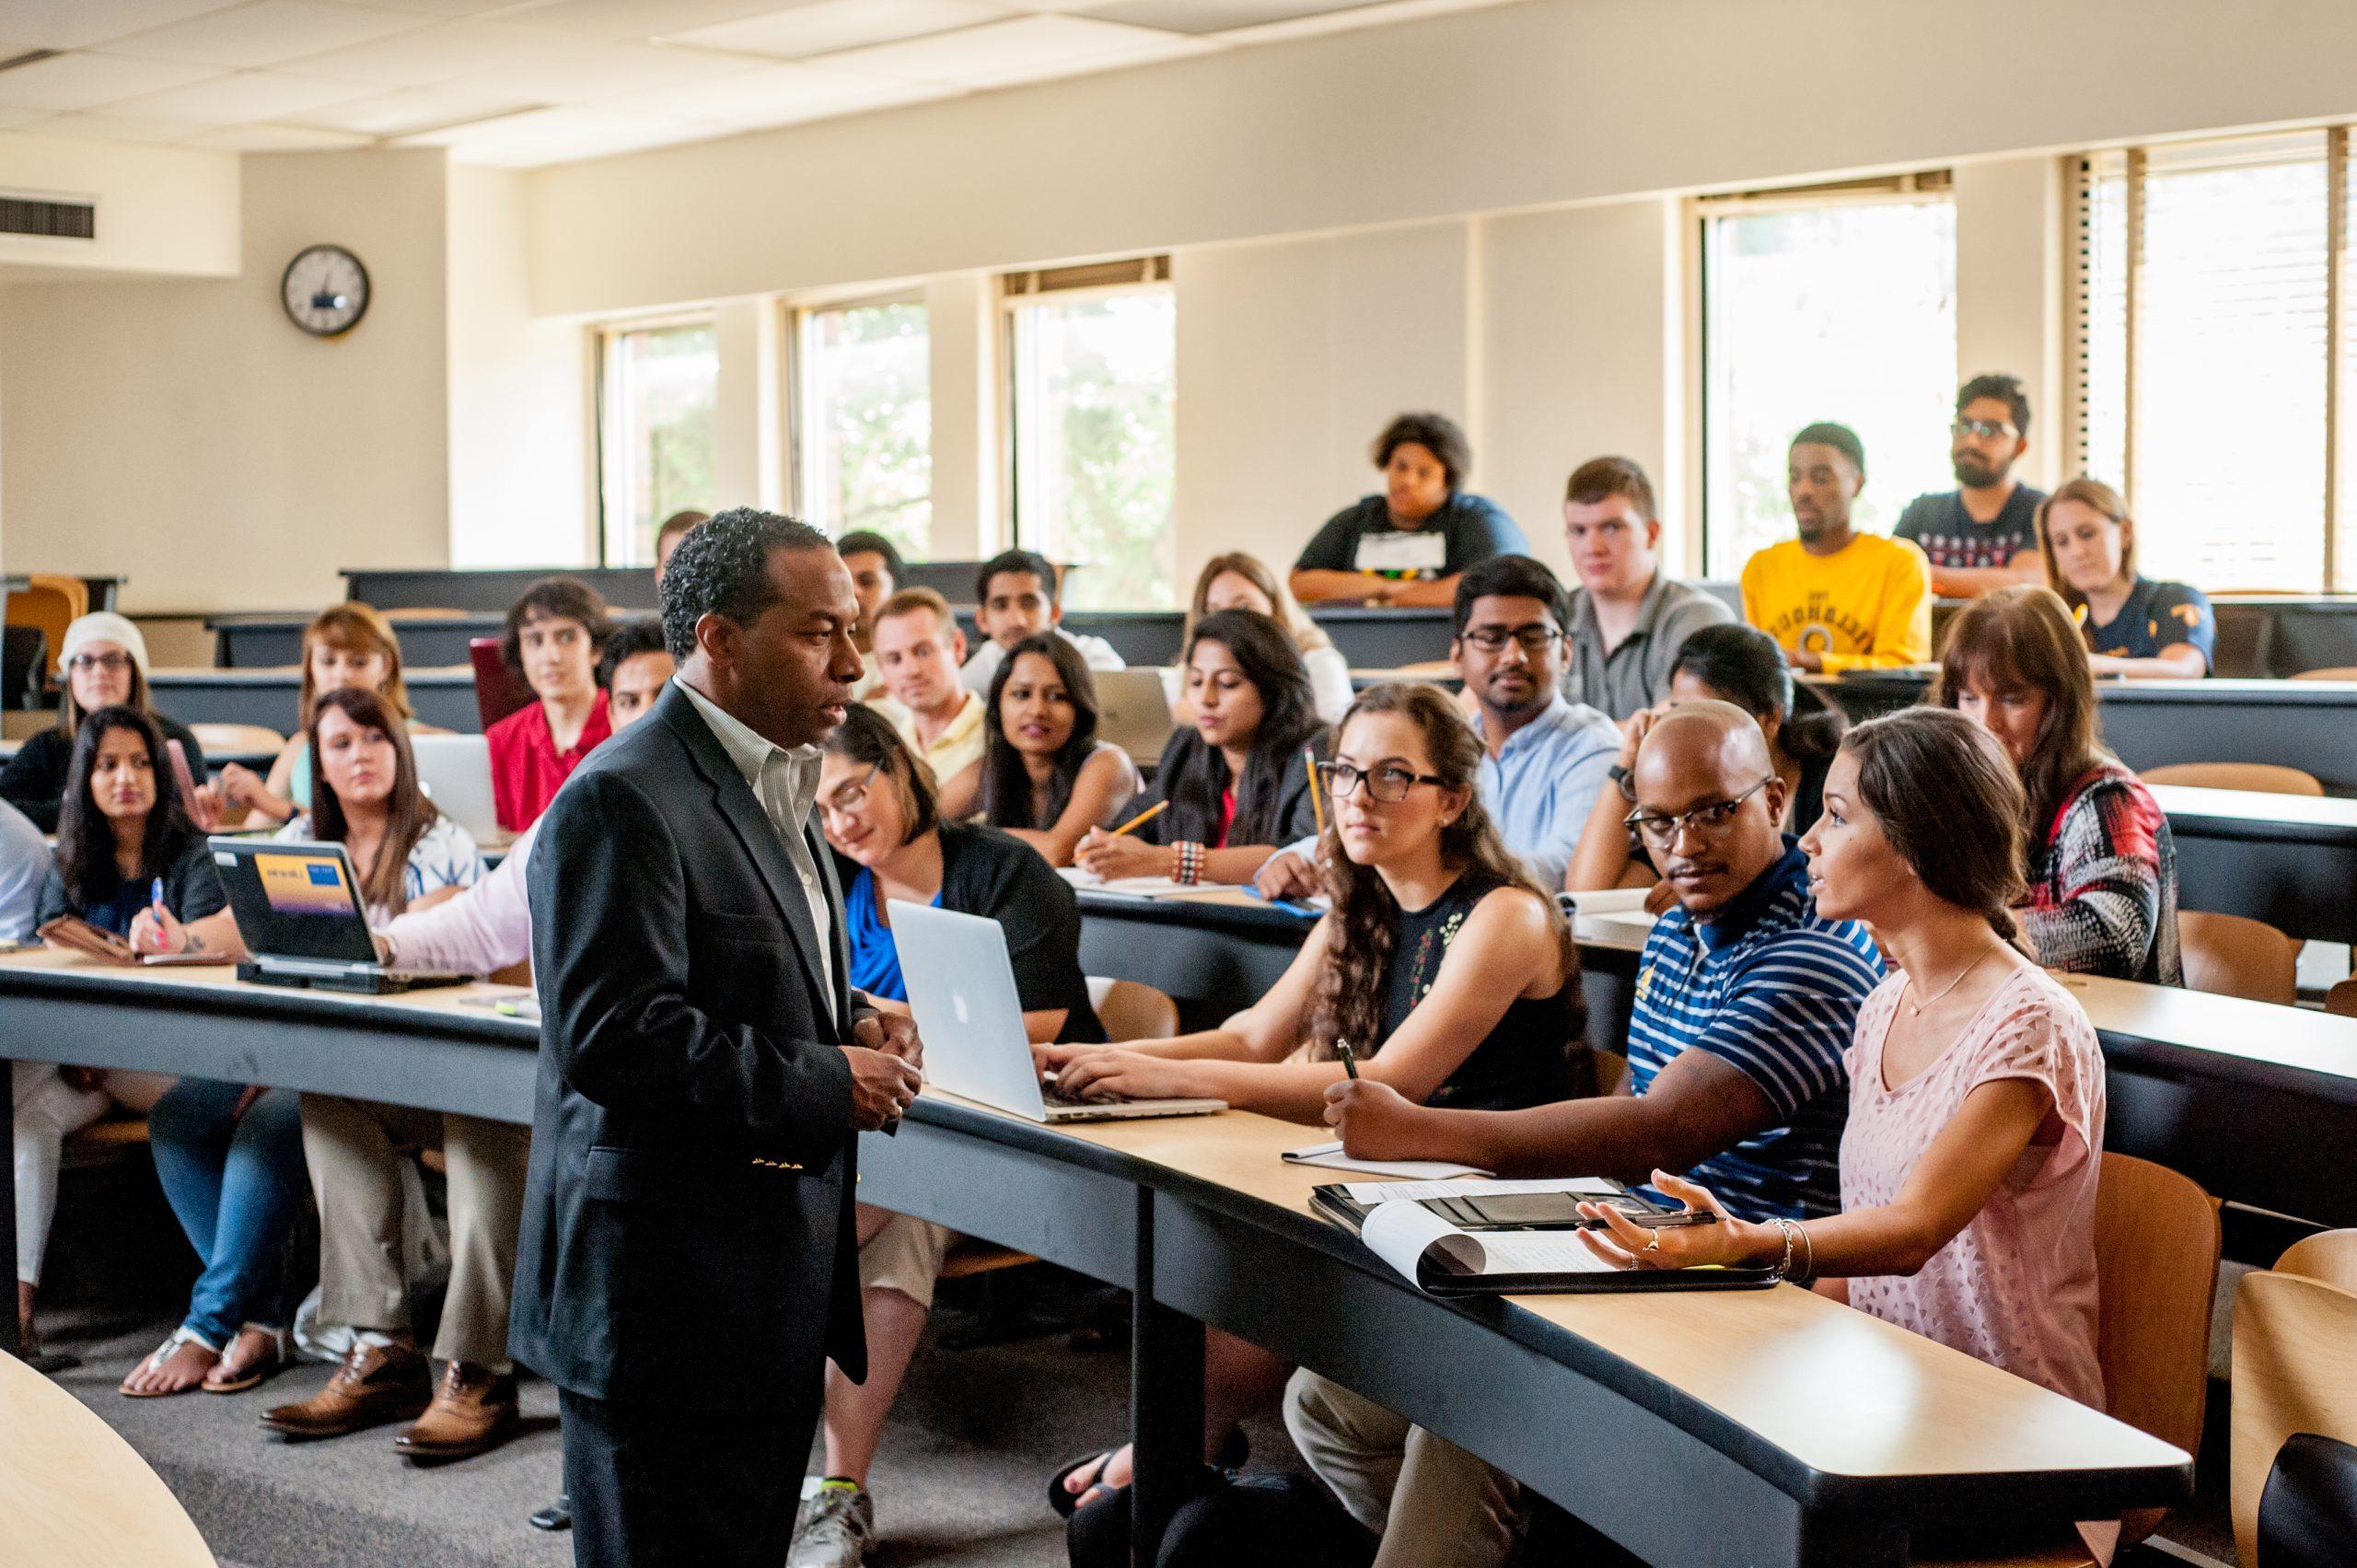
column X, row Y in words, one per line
column 1549, row 758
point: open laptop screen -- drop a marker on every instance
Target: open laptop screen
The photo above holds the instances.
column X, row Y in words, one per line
column 295, row 900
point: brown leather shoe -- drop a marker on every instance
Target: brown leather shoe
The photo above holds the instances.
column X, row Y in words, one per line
column 375, row 1385
column 473, row 1411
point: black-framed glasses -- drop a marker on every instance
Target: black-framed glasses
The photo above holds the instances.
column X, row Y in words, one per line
column 1987, row 429
column 113, row 664
column 1386, row 782
column 1663, row 830
column 850, row 796
column 1534, row 639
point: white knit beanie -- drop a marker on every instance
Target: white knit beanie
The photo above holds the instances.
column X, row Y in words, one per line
column 104, row 626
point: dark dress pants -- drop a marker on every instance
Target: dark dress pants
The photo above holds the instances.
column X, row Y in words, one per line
column 679, row 1486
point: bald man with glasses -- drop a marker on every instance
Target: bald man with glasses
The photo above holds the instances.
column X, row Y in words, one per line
column 1746, row 999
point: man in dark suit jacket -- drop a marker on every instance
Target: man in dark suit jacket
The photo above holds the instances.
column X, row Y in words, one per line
column 688, row 1263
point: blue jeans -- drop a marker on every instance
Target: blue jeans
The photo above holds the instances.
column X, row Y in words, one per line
column 237, row 1183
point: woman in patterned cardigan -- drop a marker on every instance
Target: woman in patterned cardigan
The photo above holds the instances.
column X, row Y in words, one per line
column 2102, row 869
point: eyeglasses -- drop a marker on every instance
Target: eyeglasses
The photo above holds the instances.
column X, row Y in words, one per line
column 1535, row 640
column 850, row 796
column 1663, row 832
column 113, row 664
column 1987, row 429
column 1389, row 783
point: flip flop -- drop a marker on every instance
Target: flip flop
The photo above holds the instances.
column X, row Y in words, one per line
column 275, row 1358
column 183, row 1335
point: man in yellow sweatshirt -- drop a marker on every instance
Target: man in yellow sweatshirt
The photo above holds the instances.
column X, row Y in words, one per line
column 1836, row 599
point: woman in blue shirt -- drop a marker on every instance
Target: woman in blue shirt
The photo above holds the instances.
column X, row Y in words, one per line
column 229, row 1157
column 2133, row 626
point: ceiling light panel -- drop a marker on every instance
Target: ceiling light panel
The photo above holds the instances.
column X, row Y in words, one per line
column 248, row 95
column 1023, row 50
column 262, row 33
column 433, row 55
column 73, row 82
column 832, row 24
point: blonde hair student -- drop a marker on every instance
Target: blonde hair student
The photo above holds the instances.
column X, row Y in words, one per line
column 1242, row 581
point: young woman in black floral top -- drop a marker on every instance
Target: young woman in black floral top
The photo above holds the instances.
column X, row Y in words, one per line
column 2102, row 868
column 1452, row 976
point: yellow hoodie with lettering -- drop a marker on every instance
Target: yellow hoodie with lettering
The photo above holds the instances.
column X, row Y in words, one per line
column 1866, row 606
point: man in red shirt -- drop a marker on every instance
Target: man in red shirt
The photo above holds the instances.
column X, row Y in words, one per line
column 552, row 637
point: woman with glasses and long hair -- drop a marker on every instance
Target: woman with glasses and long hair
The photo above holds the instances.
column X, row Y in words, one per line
column 1729, row 663
column 1046, row 778
column 1240, row 581
column 1237, row 784
column 105, row 660
column 878, row 807
column 1441, row 968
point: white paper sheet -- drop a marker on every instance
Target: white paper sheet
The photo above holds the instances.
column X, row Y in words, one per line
column 1403, row 1235
column 1331, row 1157
column 1386, row 1192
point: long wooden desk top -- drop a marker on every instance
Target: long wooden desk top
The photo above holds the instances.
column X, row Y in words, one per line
column 2308, row 819
column 74, row 1494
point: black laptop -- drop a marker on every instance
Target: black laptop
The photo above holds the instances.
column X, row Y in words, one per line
column 299, row 910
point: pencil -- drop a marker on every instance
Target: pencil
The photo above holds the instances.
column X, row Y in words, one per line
column 1316, row 790
column 1143, row 818
column 1350, row 1061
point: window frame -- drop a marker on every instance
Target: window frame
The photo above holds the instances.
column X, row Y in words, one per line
column 800, row 364
column 605, row 339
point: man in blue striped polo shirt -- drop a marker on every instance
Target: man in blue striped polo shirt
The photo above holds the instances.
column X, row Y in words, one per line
column 1745, row 1005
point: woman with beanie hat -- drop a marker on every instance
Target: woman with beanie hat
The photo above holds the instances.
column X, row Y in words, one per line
column 105, row 660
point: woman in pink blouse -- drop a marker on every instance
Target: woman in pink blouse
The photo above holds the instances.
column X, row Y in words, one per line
column 1969, row 1167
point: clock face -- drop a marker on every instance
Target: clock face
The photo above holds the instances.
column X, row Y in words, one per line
column 325, row 290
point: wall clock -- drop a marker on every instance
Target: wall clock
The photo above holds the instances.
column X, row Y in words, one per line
column 324, row 290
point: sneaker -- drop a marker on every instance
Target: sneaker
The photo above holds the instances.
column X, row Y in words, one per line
column 835, row 1528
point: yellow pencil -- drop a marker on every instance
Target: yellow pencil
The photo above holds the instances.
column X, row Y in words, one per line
column 1143, row 818
column 1316, row 790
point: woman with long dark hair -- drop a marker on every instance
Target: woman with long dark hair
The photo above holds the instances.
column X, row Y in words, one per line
column 1449, row 973
column 1046, row 778
column 1730, row 663
column 229, row 1157
column 1238, row 781
column 1975, row 1141
column 366, row 797
column 2101, row 865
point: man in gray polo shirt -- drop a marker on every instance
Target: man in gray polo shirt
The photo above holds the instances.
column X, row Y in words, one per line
column 1627, row 618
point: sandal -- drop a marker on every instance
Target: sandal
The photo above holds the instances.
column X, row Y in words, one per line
column 276, row 1355
column 1233, row 1453
column 169, row 1350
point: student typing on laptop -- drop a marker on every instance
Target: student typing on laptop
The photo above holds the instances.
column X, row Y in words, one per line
column 1450, row 973
column 877, row 806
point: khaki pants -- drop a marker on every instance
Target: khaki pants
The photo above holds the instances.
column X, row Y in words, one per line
column 1434, row 1505
column 905, row 1255
column 353, row 1150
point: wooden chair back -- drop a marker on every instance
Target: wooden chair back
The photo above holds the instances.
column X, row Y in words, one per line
column 1134, row 1010
column 51, row 603
column 2336, row 672
column 2295, row 1364
column 2156, row 1267
column 2230, row 956
column 2262, row 778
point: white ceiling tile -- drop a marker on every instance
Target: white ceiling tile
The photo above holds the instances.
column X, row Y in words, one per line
column 831, row 25
column 74, row 24
column 263, row 32
column 275, row 139
column 247, row 95
column 637, row 21
column 560, row 135
column 409, row 111
column 461, row 7
column 431, row 55
column 85, row 81
column 1023, row 50
column 12, row 118
column 778, row 95
column 1212, row 16
column 113, row 128
column 607, row 70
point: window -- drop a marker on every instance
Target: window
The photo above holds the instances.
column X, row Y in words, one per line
column 1095, row 390
column 657, row 391
column 866, row 422
column 1822, row 306
column 2204, row 313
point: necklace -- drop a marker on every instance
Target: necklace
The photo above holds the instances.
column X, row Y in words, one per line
column 1915, row 1009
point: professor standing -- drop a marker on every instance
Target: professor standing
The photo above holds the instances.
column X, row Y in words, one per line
column 688, row 1264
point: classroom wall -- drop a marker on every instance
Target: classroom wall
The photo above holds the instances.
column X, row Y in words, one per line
column 165, row 211
column 186, row 434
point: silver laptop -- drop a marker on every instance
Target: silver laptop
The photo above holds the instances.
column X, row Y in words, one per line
column 456, row 772
column 961, row 988
column 1134, row 711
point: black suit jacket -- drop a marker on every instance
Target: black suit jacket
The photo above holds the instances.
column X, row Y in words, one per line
column 688, row 1228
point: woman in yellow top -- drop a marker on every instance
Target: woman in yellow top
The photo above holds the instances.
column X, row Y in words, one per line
column 1835, row 598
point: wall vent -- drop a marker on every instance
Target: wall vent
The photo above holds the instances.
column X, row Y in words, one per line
column 50, row 218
